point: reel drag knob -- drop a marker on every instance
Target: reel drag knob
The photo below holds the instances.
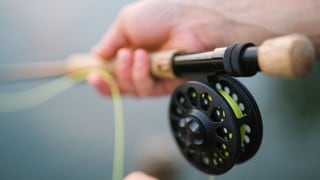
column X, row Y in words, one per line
column 190, row 131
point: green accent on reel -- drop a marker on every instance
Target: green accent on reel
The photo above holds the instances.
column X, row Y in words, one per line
column 237, row 111
column 205, row 96
column 193, row 94
column 226, row 154
column 230, row 135
column 234, row 106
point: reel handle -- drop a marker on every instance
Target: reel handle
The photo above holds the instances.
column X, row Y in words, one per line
column 286, row 56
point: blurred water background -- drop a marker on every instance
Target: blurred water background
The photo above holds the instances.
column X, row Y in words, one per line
column 71, row 136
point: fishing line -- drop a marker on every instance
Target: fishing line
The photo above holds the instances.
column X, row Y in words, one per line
column 17, row 101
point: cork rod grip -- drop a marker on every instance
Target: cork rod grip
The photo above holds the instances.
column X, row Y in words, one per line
column 287, row 56
column 160, row 63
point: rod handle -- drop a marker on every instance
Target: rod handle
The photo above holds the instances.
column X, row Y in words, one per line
column 289, row 56
column 160, row 65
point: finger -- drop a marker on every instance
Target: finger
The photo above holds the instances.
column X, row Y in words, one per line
column 113, row 40
column 96, row 81
column 123, row 70
column 143, row 82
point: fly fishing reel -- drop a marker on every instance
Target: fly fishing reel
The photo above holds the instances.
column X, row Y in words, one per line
column 216, row 123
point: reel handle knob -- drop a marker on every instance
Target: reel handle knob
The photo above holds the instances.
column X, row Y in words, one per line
column 287, row 56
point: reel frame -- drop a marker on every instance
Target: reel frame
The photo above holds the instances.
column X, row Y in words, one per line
column 216, row 123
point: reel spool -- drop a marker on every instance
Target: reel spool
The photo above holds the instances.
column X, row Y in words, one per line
column 250, row 122
column 215, row 124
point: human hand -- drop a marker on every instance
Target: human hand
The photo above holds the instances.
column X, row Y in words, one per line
column 145, row 26
column 188, row 25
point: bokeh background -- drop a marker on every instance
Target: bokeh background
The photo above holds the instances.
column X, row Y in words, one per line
column 71, row 136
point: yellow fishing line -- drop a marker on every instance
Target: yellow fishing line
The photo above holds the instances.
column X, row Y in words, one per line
column 211, row 177
column 16, row 101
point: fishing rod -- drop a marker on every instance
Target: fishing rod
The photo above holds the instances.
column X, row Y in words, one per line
column 214, row 118
column 287, row 56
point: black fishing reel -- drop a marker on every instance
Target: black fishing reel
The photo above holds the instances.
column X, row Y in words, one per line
column 216, row 123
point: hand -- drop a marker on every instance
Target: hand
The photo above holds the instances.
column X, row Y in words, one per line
column 188, row 25
column 152, row 25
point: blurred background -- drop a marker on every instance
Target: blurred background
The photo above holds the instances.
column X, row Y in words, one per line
column 71, row 136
